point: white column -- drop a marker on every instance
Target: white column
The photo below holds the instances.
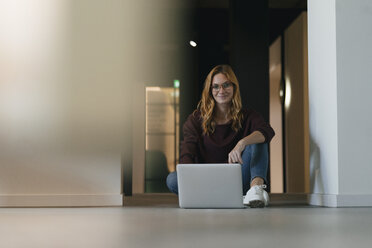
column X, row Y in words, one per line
column 340, row 61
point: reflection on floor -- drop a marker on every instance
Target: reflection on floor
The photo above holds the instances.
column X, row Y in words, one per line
column 156, row 221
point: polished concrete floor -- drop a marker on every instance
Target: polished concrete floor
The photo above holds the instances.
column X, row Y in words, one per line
column 165, row 225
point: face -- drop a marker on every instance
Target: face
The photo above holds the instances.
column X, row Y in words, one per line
column 222, row 89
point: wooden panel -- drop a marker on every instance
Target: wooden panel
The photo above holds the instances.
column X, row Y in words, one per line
column 295, row 105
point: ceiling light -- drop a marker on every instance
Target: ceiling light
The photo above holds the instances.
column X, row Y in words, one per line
column 193, row 43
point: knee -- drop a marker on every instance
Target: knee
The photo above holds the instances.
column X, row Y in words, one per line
column 171, row 179
column 172, row 182
column 262, row 146
column 253, row 151
column 261, row 149
column 254, row 148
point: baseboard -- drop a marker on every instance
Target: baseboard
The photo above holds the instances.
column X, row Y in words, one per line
column 288, row 198
column 323, row 200
column 61, row 200
column 328, row 200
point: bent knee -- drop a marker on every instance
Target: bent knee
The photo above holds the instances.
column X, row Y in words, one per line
column 172, row 180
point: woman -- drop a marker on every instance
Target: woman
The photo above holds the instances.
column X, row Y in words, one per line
column 220, row 131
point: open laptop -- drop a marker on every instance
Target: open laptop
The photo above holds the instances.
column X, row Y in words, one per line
column 210, row 186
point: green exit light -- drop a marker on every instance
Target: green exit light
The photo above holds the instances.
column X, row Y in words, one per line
column 176, row 83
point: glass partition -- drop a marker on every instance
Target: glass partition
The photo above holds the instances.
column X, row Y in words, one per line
column 162, row 136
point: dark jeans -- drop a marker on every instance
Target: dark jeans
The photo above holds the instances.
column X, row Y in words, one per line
column 255, row 164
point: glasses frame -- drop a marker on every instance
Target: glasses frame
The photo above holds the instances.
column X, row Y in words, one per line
column 226, row 85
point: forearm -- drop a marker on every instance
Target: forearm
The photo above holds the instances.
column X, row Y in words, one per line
column 254, row 138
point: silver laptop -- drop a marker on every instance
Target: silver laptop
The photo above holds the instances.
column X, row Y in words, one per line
column 210, row 186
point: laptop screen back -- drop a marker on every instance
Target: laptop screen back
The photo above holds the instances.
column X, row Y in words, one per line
column 210, row 186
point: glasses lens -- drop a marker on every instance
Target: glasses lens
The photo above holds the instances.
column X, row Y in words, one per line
column 226, row 85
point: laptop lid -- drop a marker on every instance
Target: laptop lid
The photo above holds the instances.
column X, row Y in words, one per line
column 210, row 186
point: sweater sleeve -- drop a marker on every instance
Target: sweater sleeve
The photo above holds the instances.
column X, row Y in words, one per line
column 259, row 124
column 189, row 145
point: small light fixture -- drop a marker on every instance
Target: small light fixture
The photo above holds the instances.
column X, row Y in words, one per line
column 288, row 94
column 193, row 43
column 176, row 83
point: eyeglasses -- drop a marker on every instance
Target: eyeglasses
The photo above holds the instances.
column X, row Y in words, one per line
column 225, row 86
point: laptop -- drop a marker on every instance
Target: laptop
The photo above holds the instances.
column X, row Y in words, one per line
column 210, row 186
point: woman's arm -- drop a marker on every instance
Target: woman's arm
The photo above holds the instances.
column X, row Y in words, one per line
column 259, row 124
column 261, row 132
column 254, row 138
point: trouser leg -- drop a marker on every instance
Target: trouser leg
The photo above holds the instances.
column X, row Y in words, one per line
column 255, row 164
column 172, row 182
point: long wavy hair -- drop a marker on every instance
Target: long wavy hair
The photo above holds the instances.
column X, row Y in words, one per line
column 206, row 105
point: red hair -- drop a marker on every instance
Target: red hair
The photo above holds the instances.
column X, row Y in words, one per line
column 207, row 103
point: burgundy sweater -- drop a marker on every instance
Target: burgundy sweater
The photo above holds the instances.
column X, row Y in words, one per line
column 214, row 148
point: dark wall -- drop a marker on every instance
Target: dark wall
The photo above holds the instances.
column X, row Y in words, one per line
column 210, row 28
column 249, row 52
column 280, row 19
column 239, row 36
column 213, row 36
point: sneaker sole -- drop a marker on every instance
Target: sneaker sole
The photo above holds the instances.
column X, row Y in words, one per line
column 256, row 204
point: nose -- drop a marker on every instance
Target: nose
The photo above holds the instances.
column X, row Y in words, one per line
column 221, row 89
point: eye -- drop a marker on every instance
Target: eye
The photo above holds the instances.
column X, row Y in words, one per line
column 226, row 85
column 215, row 87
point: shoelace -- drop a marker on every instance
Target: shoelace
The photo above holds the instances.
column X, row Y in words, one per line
column 259, row 187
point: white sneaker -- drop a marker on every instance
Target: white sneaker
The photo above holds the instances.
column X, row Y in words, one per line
column 256, row 197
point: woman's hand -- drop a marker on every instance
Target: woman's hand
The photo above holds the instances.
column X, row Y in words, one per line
column 235, row 156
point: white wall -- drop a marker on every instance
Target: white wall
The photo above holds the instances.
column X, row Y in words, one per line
column 61, row 103
column 67, row 69
column 339, row 87
column 323, row 97
column 354, row 88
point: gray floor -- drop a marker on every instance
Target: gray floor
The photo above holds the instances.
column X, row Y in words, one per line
column 165, row 225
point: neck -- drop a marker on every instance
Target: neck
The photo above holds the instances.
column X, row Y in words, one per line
column 221, row 111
